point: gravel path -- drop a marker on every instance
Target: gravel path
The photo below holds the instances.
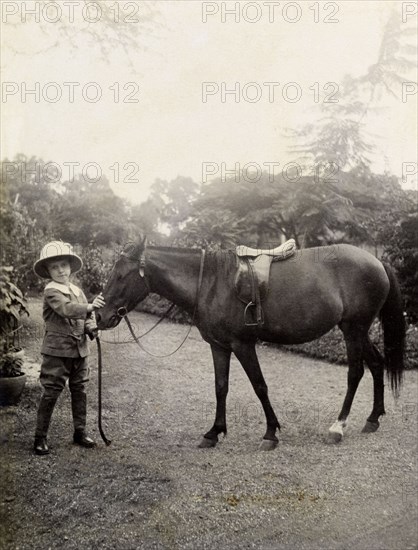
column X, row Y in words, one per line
column 153, row 488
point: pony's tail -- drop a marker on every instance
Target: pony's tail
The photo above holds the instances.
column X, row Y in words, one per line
column 394, row 330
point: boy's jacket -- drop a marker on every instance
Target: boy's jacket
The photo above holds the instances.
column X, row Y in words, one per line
column 66, row 321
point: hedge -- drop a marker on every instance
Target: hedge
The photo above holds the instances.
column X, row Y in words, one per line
column 330, row 347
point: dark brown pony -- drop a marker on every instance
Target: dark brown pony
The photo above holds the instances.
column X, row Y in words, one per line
column 308, row 295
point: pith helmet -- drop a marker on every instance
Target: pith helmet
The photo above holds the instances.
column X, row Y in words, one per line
column 52, row 251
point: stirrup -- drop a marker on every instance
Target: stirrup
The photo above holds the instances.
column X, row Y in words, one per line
column 257, row 323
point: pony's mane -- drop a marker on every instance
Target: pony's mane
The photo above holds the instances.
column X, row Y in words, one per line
column 223, row 262
column 174, row 248
column 220, row 261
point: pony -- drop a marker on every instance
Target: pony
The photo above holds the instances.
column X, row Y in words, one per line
column 308, row 294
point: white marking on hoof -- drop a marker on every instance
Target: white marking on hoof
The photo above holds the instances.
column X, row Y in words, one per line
column 268, row 445
column 336, row 431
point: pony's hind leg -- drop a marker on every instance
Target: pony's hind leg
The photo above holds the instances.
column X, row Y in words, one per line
column 246, row 354
column 354, row 339
column 221, row 361
column 375, row 363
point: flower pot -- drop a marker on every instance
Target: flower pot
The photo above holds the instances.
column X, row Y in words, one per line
column 11, row 389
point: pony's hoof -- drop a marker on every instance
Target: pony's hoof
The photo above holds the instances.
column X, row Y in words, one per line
column 268, row 445
column 334, row 437
column 335, row 433
column 207, row 443
column 370, row 427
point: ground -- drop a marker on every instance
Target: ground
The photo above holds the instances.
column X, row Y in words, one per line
column 153, row 488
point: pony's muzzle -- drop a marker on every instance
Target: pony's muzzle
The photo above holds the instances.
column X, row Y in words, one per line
column 122, row 311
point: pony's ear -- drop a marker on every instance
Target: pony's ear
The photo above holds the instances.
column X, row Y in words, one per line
column 142, row 241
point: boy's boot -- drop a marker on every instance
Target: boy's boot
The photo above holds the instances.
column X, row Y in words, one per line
column 79, row 408
column 46, row 407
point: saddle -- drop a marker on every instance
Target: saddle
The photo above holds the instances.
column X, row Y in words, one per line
column 252, row 277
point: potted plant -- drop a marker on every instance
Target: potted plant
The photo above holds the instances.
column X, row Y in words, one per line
column 12, row 306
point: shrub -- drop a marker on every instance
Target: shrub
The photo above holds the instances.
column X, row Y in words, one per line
column 158, row 305
column 331, row 346
column 95, row 271
column 12, row 306
column 402, row 251
column 21, row 241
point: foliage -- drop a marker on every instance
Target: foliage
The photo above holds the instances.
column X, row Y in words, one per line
column 95, row 271
column 12, row 306
column 331, row 346
column 11, row 363
column 313, row 210
column 145, row 218
column 27, row 211
column 395, row 58
column 172, row 202
column 111, row 28
column 20, row 236
column 377, row 202
column 212, row 229
column 36, row 209
column 158, row 305
column 339, row 136
column 90, row 212
column 402, row 251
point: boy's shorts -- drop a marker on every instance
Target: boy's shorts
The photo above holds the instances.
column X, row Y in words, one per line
column 55, row 371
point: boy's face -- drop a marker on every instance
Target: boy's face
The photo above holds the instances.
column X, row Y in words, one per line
column 60, row 271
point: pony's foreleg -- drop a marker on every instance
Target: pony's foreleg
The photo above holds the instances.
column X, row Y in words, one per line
column 221, row 361
column 375, row 362
column 354, row 339
column 247, row 356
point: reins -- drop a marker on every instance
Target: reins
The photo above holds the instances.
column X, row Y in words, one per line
column 99, row 371
column 160, row 320
column 136, row 338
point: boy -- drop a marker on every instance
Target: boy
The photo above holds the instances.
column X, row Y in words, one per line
column 68, row 318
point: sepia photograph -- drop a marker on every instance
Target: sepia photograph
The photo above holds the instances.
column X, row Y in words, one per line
column 209, row 275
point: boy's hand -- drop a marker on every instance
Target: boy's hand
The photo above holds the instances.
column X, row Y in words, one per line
column 94, row 333
column 98, row 302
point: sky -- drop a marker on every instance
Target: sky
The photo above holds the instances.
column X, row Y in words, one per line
column 159, row 112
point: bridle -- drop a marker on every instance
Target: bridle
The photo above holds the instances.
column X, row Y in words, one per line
column 122, row 311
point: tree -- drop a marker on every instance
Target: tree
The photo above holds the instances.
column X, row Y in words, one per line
column 36, row 209
column 172, row 201
column 90, row 212
column 261, row 212
column 27, row 211
column 339, row 136
column 212, row 229
column 145, row 218
column 339, row 139
column 104, row 25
